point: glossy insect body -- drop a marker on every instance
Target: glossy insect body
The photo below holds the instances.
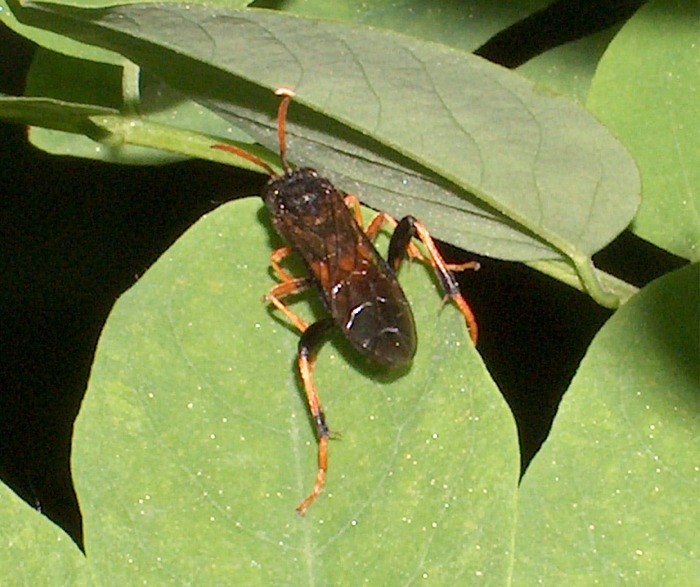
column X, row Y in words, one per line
column 357, row 286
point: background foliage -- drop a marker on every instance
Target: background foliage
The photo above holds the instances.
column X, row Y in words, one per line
column 190, row 457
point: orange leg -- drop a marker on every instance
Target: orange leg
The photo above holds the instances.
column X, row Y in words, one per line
column 275, row 260
column 284, row 289
column 353, row 203
column 309, row 345
column 444, row 271
column 311, row 340
column 290, row 285
column 378, row 222
column 401, row 244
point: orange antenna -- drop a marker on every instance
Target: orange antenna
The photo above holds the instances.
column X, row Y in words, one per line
column 245, row 155
column 287, row 96
column 282, row 124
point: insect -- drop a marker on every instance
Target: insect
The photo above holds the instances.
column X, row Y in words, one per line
column 323, row 226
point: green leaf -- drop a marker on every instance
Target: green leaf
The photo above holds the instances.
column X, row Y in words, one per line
column 58, row 42
column 547, row 180
column 611, row 498
column 647, row 89
column 72, row 48
column 193, row 445
column 462, row 24
column 35, row 551
column 569, row 68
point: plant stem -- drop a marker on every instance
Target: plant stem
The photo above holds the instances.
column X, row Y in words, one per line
column 137, row 131
column 607, row 290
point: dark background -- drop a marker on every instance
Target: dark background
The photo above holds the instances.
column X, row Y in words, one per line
column 76, row 234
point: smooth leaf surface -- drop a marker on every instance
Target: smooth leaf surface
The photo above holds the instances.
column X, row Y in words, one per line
column 34, row 551
column 647, row 89
column 465, row 25
column 569, row 69
column 193, row 445
column 72, row 48
column 459, row 24
column 56, row 42
column 547, row 179
column 462, row 24
column 611, row 498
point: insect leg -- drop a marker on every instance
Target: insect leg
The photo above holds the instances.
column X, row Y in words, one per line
column 377, row 224
column 309, row 345
column 276, row 258
column 352, row 202
column 290, row 285
column 409, row 247
column 401, row 245
column 408, row 228
column 284, row 289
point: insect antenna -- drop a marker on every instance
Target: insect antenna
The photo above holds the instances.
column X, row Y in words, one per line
column 282, row 124
column 246, row 155
column 281, row 133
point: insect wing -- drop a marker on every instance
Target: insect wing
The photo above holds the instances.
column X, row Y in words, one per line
column 368, row 303
column 357, row 286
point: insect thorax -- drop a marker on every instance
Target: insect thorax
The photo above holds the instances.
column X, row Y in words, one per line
column 300, row 193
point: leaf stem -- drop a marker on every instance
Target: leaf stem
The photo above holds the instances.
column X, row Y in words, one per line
column 137, row 131
column 587, row 272
column 607, row 290
column 131, row 90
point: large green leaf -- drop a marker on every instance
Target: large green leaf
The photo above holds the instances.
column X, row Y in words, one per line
column 459, row 24
column 35, row 551
column 487, row 159
column 612, row 497
column 465, row 25
column 193, row 445
column 647, row 89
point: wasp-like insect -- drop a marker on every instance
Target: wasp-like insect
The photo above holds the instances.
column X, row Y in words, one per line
column 323, row 226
